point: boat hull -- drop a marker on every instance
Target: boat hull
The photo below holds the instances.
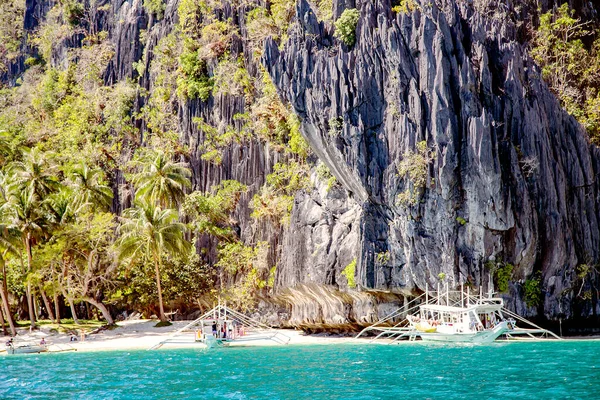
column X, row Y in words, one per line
column 28, row 349
column 485, row 336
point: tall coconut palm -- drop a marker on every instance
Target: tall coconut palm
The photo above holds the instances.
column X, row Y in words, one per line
column 33, row 179
column 25, row 214
column 9, row 242
column 149, row 231
column 9, row 239
column 160, row 180
column 61, row 215
column 89, row 187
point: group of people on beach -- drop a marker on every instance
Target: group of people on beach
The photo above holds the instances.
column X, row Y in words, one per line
column 227, row 331
column 223, row 333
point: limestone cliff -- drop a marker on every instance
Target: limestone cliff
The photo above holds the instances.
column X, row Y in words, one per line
column 514, row 178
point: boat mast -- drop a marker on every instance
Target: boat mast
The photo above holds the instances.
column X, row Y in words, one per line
column 468, row 296
column 447, row 294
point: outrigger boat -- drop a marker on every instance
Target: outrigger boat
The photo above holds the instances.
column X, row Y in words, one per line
column 29, row 344
column 222, row 327
column 25, row 347
column 457, row 317
column 479, row 323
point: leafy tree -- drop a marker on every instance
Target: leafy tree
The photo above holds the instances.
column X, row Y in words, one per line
column 12, row 13
column 149, row 231
column 569, row 65
column 156, row 7
column 533, row 290
column 275, row 200
column 414, row 166
column 91, row 237
column 24, row 214
column 35, row 175
column 89, row 188
column 9, row 243
column 406, row 6
column 349, row 272
column 248, row 272
column 160, row 180
column 345, row 26
column 211, row 213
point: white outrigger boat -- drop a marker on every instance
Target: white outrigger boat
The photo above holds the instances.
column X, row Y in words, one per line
column 478, row 323
column 455, row 317
column 25, row 347
column 30, row 344
column 221, row 327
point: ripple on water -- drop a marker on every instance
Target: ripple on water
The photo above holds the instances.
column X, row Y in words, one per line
column 527, row 370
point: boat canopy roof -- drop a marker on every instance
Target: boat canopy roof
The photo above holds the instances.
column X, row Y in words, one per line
column 477, row 308
column 443, row 308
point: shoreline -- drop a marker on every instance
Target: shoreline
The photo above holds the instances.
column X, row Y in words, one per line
column 142, row 335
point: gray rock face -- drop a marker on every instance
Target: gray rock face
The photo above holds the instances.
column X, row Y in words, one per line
column 514, row 179
column 322, row 238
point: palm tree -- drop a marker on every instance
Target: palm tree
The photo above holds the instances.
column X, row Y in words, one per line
column 61, row 215
column 26, row 216
column 160, row 180
column 90, row 190
column 9, row 241
column 35, row 174
column 60, row 207
column 32, row 180
column 149, row 231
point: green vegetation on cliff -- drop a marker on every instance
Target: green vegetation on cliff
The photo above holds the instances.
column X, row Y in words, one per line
column 76, row 148
column 568, row 50
column 345, row 26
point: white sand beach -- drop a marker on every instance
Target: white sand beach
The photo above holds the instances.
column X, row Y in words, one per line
column 142, row 335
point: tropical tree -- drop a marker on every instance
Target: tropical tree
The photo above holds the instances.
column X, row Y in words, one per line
column 35, row 174
column 149, row 231
column 89, row 188
column 9, row 242
column 32, row 180
column 24, row 214
column 59, row 206
column 9, row 239
column 92, row 263
column 160, row 180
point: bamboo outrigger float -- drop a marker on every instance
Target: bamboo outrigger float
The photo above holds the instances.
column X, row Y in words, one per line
column 221, row 327
column 456, row 316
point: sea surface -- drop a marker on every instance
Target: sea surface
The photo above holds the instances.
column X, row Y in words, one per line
column 548, row 370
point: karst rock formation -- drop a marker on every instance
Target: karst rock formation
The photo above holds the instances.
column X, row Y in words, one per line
column 511, row 177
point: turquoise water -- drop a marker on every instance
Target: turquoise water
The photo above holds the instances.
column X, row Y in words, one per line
column 564, row 370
